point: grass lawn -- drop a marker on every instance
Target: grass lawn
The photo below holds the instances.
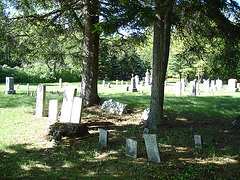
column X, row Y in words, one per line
column 24, row 140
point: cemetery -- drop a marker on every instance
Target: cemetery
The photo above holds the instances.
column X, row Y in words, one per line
column 52, row 134
column 94, row 89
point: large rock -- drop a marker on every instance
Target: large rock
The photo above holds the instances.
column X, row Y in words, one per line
column 114, row 107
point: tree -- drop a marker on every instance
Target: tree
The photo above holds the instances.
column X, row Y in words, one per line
column 164, row 15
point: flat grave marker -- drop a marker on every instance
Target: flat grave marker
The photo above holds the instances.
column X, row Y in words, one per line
column 152, row 147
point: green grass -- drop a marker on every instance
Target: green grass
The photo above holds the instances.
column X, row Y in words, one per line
column 23, row 139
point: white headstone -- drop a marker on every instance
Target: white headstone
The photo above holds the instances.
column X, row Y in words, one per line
column 147, row 77
column 178, row 88
column 219, row 84
column 60, row 83
column 193, row 88
column 232, row 84
column 116, row 82
column 137, row 79
column 66, row 110
column 53, row 110
column 103, row 83
column 77, row 110
column 40, row 100
column 122, row 82
column 206, row 85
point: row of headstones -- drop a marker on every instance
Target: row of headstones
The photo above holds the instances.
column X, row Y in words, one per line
column 71, row 110
column 132, row 147
column 215, row 85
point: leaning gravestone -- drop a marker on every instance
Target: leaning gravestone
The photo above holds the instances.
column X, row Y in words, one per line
column 198, row 141
column 53, row 110
column 131, row 148
column 114, row 107
column 77, row 110
column 103, row 137
column 145, row 114
column 67, row 104
column 152, row 147
column 40, row 100
column 9, row 86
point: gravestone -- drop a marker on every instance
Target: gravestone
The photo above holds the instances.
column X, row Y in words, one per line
column 53, row 110
column 145, row 114
column 77, row 110
column 117, row 82
column 103, row 137
column 183, row 85
column 126, row 88
column 198, row 141
column 147, row 77
column 114, row 107
column 193, row 88
column 219, row 84
column 213, row 87
column 109, row 85
column 137, row 79
column 103, row 83
column 27, row 85
column 9, row 86
column 152, row 147
column 133, row 84
column 131, row 148
column 40, row 100
column 122, row 82
column 60, row 83
column 232, row 84
column 206, row 85
column 141, row 83
column 178, row 88
column 66, row 110
column 31, row 94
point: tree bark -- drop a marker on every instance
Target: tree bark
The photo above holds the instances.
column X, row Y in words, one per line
column 161, row 46
column 90, row 53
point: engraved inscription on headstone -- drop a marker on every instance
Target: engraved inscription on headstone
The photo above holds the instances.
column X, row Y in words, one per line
column 152, row 147
column 77, row 110
column 40, row 100
column 53, row 110
column 103, row 137
column 198, row 141
column 67, row 104
column 131, row 148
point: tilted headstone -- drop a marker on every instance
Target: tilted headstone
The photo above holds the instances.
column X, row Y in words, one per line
column 60, row 83
column 145, row 114
column 103, row 137
column 114, row 107
column 147, row 77
column 40, row 100
column 53, row 110
column 178, row 88
column 232, row 84
column 219, row 84
column 198, row 141
column 133, row 84
column 131, row 148
column 77, row 110
column 9, row 86
column 66, row 110
column 152, row 147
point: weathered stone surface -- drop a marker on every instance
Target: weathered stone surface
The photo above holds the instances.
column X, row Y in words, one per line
column 40, row 100
column 152, row 147
column 103, row 137
column 114, row 107
column 57, row 130
column 145, row 114
column 131, row 148
column 198, row 141
column 232, row 85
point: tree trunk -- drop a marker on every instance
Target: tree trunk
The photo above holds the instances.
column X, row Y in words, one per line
column 90, row 53
column 161, row 46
